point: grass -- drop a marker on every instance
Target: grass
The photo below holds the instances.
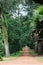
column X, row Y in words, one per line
column 1, row 58
column 40, row 58
column 33, row 53
column 13, row 56
column 8, row 58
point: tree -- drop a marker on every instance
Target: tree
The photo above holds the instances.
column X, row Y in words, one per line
column 20, row 27
column 5, row 7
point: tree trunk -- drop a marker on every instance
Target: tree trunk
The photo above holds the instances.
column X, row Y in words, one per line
column 39, row 48
column 6, row 48
column 36, row 47
column 5, row 37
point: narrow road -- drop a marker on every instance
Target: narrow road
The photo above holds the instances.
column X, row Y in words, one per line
column 23, row 60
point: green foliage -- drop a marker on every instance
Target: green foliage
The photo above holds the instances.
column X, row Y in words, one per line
column 19, row 33
column 17, row 54
column 33, row 53
column 20, row 28
column 1, row 58
column 39, row 19
column 40, row 10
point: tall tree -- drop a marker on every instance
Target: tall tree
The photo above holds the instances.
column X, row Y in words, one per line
column 5, row 7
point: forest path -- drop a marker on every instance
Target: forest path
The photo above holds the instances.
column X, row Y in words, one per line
column 25, row 59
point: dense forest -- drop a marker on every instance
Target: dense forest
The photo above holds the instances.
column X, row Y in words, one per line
column 18, row 20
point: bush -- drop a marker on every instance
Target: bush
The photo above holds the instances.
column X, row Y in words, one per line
column 1, row 58
column 19, row 53
column 33, row 53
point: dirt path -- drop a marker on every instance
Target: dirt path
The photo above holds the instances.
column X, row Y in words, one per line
column 23, row 60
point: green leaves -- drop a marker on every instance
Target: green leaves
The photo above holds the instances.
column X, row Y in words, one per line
column 40, row 10
column 1, row 44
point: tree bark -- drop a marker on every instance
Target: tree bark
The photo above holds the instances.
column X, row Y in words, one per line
column 39, row 48
column 36, row 47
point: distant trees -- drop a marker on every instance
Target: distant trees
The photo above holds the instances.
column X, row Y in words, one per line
column 15, row 28
column 38, row 34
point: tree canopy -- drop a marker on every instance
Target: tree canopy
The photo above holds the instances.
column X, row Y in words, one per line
column 19, row 18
